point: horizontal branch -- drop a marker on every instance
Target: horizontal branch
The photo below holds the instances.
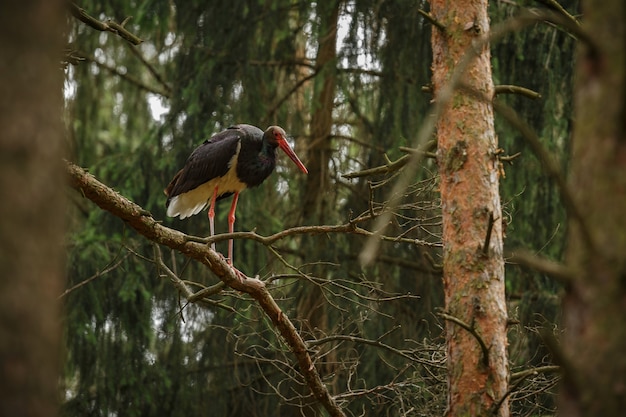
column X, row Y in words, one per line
column 501, row 89
column 143, row 222
column 349, row 227
column 516, row 89
column 376, row 343
column 380, row 170
column 534, row 371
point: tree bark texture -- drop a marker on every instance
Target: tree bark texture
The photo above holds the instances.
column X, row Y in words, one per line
column 475, row 310
column 31, row 206
column 594, row 345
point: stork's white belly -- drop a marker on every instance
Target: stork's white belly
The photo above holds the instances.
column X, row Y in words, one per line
column 194, row 201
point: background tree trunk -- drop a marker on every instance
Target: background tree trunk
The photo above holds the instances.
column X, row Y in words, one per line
column 31, row 206
column 317, row 182
column 473, row 275
column 594, row 305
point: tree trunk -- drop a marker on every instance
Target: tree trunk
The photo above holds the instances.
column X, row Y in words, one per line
column 475, row 310
column 312, row 307
column 31, row 208
column 317, row 182
column 594, row 344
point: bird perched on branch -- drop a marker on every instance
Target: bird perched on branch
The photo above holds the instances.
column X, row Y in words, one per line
column 237, row 158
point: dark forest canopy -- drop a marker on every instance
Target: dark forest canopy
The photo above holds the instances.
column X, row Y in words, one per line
column 135, row 347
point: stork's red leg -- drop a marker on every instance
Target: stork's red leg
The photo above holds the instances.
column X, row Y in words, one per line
column 211, row 214
column 231, row 226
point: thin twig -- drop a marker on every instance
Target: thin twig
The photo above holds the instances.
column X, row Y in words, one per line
column 349, row 227
column 375, row 343
column 94, row 276
column 182, row 286
column 380, row 170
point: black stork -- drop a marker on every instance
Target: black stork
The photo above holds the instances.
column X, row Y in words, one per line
column 237, row 158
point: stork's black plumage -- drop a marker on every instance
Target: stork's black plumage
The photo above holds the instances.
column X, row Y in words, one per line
column 230, row 161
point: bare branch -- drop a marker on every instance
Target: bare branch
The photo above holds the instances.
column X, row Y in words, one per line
column 109, row 26
column 380, row 170
column 349, row 227
column 143, row 222
column 516, row 89
column 501, row 89
column 534, row 371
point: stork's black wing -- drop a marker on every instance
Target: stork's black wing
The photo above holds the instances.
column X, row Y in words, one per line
column 209, row 160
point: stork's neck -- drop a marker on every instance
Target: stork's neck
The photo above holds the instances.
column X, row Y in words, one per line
column 268, row 151
column 254, row 165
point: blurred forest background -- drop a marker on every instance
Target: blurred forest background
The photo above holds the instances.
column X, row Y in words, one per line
column 349, row 81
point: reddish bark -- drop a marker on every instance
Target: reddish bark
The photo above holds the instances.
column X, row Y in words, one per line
column 473, row 273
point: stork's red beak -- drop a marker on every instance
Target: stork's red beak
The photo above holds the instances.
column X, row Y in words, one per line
column 282, row 143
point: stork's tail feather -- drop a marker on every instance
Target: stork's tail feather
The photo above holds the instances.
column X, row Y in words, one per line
column 177, row 206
